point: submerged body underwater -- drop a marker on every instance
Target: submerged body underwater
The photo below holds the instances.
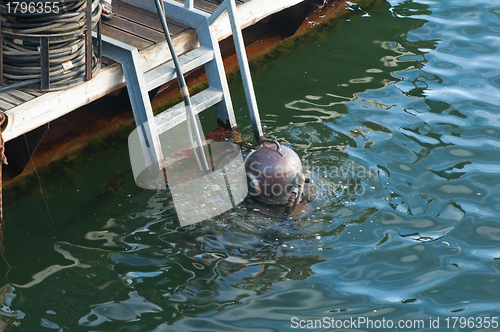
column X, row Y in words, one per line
column 393, row 113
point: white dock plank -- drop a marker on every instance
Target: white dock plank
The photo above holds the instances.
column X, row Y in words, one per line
column 4, row 106
column 248, row 13
column 5, row 96
column 51, row 105
column 34, row 93
column 23, row 96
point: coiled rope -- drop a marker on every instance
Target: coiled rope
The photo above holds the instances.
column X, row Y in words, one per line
column 64, row 23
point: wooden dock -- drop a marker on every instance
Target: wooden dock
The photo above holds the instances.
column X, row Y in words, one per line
column 136, row 24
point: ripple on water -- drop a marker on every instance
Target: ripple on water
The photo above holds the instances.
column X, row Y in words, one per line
column 408, row 93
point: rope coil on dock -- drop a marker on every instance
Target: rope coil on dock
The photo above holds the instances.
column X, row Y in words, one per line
column 62, row 26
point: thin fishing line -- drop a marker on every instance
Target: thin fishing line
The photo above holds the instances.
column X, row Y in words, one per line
column 40, row 185
column 2, row 254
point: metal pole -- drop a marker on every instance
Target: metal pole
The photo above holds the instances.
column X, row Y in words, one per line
column 88, row 42
column 190, row 118
column 245, row 70
column 44, row 63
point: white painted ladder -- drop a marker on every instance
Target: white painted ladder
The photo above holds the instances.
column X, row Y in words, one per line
column 208, row 54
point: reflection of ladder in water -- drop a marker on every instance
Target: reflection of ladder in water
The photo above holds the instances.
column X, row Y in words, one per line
column 208, row 54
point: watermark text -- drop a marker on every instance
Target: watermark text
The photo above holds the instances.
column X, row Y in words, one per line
column 452, row 322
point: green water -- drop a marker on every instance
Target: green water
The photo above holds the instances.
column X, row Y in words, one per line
column 408, row 90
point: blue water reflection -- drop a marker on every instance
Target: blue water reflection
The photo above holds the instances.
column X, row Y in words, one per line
column 408, row 91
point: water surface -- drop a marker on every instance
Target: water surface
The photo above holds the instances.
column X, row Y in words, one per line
column 408, row 90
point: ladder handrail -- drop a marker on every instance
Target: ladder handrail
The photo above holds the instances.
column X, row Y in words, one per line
column 239, row 45
column 217, row 12
column 245, row 70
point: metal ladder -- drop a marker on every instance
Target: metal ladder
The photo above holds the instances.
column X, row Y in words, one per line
column 207, row 54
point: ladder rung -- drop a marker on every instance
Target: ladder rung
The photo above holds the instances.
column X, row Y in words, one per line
column 177, row 114
column 166, row 72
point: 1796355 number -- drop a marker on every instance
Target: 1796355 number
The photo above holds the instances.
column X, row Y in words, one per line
column 472, row 322
column 32, row 7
